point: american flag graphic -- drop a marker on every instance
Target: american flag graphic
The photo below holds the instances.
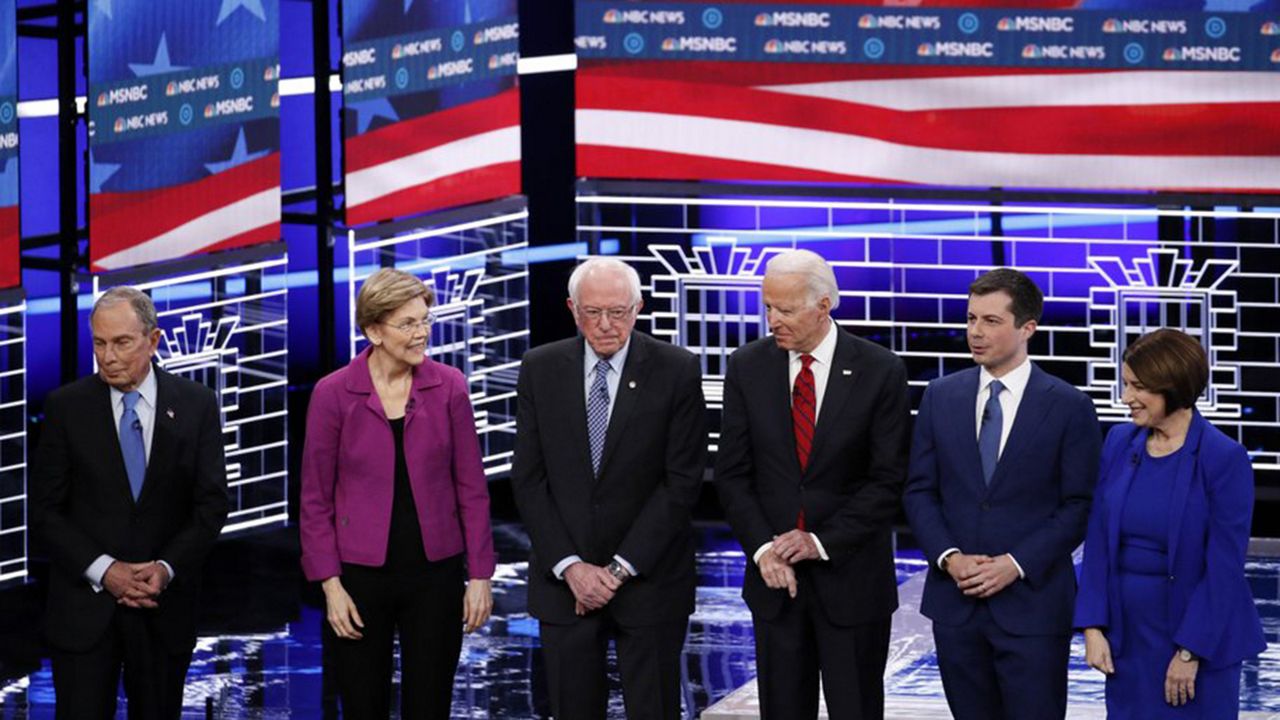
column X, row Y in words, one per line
column 461, row 155
column 967, row 126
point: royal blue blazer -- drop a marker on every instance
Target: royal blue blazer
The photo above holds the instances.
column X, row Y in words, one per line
column 1210, row 605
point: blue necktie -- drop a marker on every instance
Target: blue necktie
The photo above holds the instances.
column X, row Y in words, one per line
column 131, row 445
column 598, row 413
column 989, row 432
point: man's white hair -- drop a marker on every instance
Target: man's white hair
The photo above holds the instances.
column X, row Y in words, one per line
column 819, row 276
column 598, row 265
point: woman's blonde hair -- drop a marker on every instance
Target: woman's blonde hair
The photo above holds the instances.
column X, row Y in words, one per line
column 385, row 291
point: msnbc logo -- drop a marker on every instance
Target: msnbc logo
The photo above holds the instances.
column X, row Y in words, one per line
column 172, row 88
column 102, row 99
column 612, row 17
column 433, row 72
column 925, row 50
column 773, row 47
column 1171, row 54
column 396, row 50
column 867, row 22
column 1031, row 52
column 1275, row 55
column 1111, row 25
column 669, row 44
column 119, row 125
column 763, row 20
column 1007, row 24
column 275, row 100
column 208, row 111
column 1271, row 28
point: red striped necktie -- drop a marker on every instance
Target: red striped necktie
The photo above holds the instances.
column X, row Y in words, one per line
column 804, row 408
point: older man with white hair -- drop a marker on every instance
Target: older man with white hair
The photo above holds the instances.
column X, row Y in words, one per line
column 609, row 458
column 811, row 462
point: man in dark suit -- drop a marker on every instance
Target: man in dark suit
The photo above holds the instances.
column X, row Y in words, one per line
column 129, row 494
column 1003, row 464
column 609, row 458
column 811, row 460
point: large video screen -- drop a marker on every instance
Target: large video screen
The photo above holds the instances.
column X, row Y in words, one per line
column 431, row 113
column 184, row 128
column 1087, row 94
column 9, row 228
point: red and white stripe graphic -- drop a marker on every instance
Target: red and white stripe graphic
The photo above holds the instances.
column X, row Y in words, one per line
column 1171, row 130
column 453, row 157
column 233, row 208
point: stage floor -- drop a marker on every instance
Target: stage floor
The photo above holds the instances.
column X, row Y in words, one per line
column 262, row 666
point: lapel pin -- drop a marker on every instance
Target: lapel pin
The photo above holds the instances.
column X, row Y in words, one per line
column 169, row 412
column 847, row 372
column 632, row 384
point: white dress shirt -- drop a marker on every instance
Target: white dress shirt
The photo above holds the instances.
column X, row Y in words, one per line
column 146, row 411
column 1015, row 386
column 823, row 355
column 616, row 363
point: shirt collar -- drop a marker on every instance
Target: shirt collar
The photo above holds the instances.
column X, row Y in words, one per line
column 147, row 390
column 826, row 349
column 617, row 361
column 1015, row 381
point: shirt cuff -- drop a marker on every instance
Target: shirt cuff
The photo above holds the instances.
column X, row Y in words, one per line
column 763, row 549
column 1021, row 575
column 822, row 552
column 560, row 567
column 168, row 567
column 96, row 570
column 944, row 555
column 628, row 566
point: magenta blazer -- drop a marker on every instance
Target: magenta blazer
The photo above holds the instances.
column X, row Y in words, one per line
column 348, row 471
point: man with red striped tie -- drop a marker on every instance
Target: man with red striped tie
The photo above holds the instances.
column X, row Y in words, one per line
column 811, row 462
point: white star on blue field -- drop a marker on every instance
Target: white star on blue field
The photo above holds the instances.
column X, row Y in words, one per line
column 369, row 109
column 239, row 156
column 100, row 173
column 160, row 65
column 230, row 6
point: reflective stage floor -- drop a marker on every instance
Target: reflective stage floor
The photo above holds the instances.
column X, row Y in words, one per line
column 262, row 655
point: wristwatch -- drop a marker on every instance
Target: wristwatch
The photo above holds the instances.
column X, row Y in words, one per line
column 615, row 569
column 1186, row 655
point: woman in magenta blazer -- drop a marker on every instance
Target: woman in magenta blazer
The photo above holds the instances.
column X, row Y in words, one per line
column 1166, row 610
column 395, row 509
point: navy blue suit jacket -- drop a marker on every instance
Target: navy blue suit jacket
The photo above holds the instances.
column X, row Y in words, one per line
column 1210, row 605
column 1036, row 506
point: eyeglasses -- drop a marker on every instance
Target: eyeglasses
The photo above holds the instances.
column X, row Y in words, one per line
column 615, row 314
column 408, row 326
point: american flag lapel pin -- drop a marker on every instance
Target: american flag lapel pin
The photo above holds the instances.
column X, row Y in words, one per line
column 632, row 384
column 847, row 373
column 169, row 412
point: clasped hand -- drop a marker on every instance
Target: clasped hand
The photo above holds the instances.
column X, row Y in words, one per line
column 593, row 587
column 136, row 585
column 981, row 576
column 787, row 549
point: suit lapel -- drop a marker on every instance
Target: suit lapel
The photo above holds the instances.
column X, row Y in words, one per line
column 1182, row 482
column 963, row 409
column 842, row 376
column 634, row 374
column 1037, row 402
column 104, row 417
column 778, row 389
column 574, row 388
column 164, row 436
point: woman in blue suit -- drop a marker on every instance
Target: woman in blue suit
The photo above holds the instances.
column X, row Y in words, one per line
column 1166, row 611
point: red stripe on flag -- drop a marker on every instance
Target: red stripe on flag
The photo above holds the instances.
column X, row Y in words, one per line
column 118, row 221
column 632, row 163
column 10, row 242
column 776, row 73
column 462, row 188
column 432, row 130
column 1241, row 129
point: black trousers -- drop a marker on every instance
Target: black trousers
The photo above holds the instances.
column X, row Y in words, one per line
column 648, row 661
column 793, row 648
column 989, row 674
column 86, row 682
column 424, row 608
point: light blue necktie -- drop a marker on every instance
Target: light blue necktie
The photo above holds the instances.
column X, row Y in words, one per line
column 989, row 432
column 131, row 445
column 598, row 413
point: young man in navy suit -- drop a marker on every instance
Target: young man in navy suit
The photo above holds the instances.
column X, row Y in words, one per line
column 1003, row 465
